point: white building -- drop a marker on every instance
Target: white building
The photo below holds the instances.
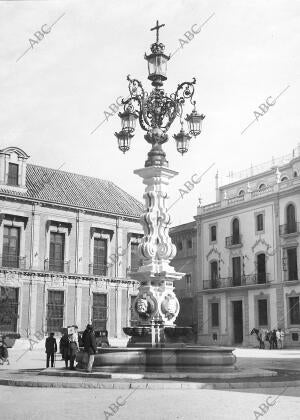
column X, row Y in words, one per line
column 248, row 253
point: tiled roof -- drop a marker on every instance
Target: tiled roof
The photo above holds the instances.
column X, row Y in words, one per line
column 76, row 190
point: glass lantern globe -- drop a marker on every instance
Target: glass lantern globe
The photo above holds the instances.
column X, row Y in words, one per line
column 157, row 67
column 194, row 121
column 182, row 141
column 124, row 140
column 128, row 120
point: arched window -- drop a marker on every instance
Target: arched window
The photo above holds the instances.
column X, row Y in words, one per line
column 235, row 231
column 262, row 186
column 214, row 273
column 261, row 268
column 295, row 174
column 284, row 178
column 242, row 192
column 290, row 219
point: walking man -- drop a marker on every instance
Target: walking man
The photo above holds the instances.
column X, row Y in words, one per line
column 89, row 343
column 51, row 349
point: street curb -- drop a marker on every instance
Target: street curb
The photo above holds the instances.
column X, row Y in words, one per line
column 148, row 385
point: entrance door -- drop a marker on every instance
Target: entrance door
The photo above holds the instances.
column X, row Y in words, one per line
column 237, row 314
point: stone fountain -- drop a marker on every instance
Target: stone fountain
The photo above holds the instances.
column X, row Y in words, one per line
column 156, row 343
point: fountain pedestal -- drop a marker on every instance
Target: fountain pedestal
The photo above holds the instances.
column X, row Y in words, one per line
column 156, row 343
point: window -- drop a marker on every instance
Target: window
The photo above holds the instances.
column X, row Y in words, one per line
column 188, row 279
column 57, row 251
column 214, row 314
column 236, row 271
column 262, row 187
column 100, row 257
column 214, row 274
column 213, row 233
column 180, row 246
column 242, row 192
column 190, row 243
column 13, row 174
column 135, row 260
column 294, row 310
column 290, row 219
column 284, row 178
column 55, row 310
column 260, row 222
column 99, row 316
column 261, row 268
column 11, row 247
column 262, row 312
column 9, row 301
column 295, row 174
column 292, row 263
column 235, row 231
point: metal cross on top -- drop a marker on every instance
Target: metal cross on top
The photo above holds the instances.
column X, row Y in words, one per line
column 157, row 28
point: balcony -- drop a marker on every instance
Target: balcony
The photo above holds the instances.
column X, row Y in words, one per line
column 59, row 266
column 234, row 241
column 244, row 280
column 98, row 269
column 12, row 261
column 289, row 228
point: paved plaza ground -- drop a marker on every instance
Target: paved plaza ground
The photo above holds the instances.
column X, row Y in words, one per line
column 276, row 402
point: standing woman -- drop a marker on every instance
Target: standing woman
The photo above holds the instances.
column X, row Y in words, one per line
column 64, row 348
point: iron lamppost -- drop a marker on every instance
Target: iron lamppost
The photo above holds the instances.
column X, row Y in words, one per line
column 156, row 305
column 157, row 110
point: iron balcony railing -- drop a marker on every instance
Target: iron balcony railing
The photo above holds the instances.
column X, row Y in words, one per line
column 233, row 240
column 59, row 266
column 98, row 269
column 289, row 228
column 243, row 280
column 12, row 261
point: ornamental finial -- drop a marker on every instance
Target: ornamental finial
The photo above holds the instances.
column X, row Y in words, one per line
column 157, row 28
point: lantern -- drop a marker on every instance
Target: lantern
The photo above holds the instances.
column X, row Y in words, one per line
column 128, row 120
column 194, row 121
column 124, row 139
column 182, row 141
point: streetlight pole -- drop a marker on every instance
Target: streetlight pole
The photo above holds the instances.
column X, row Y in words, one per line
column 156, row 305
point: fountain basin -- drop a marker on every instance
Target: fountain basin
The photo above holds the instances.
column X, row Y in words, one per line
column 166, row 359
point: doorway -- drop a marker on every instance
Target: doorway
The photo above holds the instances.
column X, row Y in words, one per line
column 237, row 315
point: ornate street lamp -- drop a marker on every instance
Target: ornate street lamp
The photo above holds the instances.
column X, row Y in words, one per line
column 157, row 110
column 156, row 305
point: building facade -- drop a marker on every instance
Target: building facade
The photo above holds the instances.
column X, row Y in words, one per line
column 184, row 237
column 67, row 244
column 248, row 256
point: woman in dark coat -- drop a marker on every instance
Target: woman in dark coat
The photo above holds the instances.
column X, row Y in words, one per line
column 64, row 348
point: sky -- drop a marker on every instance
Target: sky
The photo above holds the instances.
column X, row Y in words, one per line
column 53, row 97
